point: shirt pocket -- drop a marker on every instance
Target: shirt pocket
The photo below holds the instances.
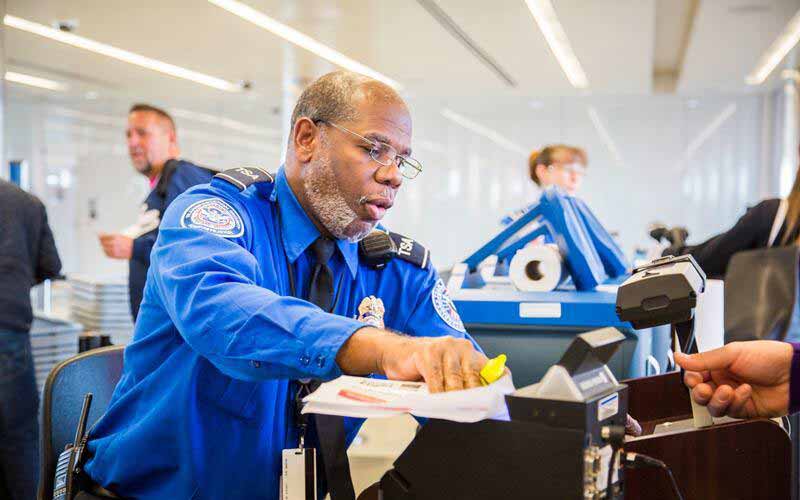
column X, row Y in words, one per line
column 235, row 397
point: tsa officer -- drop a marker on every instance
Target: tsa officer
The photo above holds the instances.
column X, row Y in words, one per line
column 257, row 285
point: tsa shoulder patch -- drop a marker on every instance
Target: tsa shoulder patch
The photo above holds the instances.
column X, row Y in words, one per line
column 411, row 251
column 244, row 177
column 214, row 216
column 445, row 307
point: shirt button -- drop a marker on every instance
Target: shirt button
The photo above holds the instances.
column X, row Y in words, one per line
column 255, row 364
column 320, row 361
column 305, row 360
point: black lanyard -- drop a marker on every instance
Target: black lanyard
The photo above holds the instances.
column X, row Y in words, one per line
column 329, row 430
column 305, row 387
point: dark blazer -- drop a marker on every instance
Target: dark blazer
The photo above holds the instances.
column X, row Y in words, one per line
column 28, row 255
column 177, row 177
column 751, row 231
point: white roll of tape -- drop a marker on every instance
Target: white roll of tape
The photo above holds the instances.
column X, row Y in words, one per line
column 537, row 269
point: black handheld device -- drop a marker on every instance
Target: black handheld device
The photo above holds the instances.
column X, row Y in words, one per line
column 68, row 465
column 377, row 249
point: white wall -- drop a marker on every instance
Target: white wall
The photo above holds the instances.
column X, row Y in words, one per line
column 77, row 153
column 78, row 158
column 457, row 203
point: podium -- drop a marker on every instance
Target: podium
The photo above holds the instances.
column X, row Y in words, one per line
column 736, row 460
column 519, row 460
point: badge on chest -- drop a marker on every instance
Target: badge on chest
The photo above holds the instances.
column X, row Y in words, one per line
column 371, row 311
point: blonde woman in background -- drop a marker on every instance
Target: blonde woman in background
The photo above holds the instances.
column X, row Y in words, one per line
column 560, row 165
column 554, row 165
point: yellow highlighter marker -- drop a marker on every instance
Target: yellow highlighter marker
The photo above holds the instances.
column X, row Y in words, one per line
column 493, row 370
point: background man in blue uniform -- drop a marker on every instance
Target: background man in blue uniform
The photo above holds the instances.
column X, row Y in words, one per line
column 153, row 148
column 227, row 326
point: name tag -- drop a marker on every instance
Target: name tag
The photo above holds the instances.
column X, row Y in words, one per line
column 299, row 474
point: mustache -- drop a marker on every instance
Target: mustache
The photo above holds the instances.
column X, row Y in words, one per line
column 383, row 199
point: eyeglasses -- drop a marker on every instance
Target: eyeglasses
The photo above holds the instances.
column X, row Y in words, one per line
column 385, row 154
column 570, row 168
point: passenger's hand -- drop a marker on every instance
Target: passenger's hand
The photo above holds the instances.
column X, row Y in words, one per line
column 117, row 246
column 741, row 379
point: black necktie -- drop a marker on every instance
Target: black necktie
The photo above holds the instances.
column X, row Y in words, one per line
column 320, row 289
column 329, row 428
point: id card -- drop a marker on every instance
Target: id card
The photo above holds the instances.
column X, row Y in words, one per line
column 299, row 476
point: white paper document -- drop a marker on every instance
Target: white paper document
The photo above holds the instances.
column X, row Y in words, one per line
column 148, row 220
column 374, row 398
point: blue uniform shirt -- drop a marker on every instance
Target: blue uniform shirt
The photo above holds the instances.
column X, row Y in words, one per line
column 204, row 405
column 177, row 177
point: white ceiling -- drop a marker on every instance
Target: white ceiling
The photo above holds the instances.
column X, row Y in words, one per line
column 615, row 40
column 727, row 40
column 398, row 38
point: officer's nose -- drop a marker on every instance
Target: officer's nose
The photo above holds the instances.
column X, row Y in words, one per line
column 389, row 175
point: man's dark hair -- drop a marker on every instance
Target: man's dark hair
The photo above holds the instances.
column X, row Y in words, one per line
column 152, row 109
column 329, row 98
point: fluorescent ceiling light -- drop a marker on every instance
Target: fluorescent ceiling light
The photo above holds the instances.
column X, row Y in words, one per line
column 120, row 54
column 604, row 135
column 301, row 40
column 34, row 81
column 488, row 133
column 776, row 52
column 553, row 32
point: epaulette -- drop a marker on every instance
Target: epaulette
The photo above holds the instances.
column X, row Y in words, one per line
column 244, row 177
column 410, row 250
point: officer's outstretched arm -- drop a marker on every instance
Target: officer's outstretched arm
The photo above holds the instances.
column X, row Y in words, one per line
column 444, row 363
column 213, row 290
column 439, row 349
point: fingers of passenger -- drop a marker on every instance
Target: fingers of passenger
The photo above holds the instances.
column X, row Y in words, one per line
column 702, row 393
column 741, row 396
column 720, row 401
column 716, row 359
column 691, row 379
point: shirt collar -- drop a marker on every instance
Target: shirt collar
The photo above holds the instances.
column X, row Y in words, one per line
column 154, row 181
column 298, row 230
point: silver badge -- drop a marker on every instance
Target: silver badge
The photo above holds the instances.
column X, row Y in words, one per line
column 371, row 311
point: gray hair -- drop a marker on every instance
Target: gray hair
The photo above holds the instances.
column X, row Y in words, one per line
column 332, row 97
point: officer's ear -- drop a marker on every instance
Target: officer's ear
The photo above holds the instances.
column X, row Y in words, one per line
column 305, row 135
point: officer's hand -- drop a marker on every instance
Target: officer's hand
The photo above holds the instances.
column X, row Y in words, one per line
column 444, row 363
column 117, row 246
column 742, row 379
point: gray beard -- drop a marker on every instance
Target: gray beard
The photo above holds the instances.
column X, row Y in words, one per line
column 329, row 205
